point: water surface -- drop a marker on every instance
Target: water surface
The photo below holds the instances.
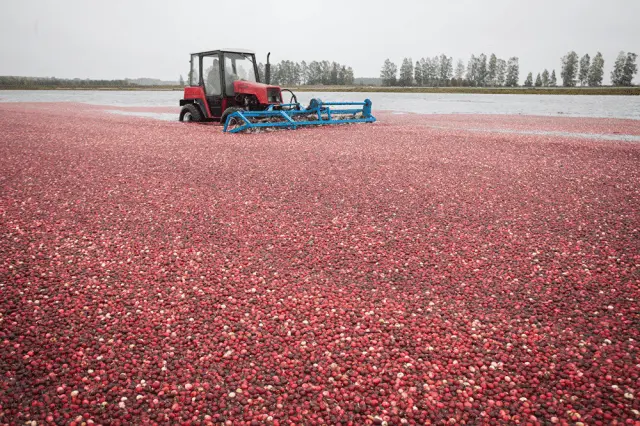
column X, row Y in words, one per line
column 423, row 103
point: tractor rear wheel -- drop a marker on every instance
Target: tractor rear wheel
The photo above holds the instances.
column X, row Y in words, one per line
column 227, row 112
column 190, row 112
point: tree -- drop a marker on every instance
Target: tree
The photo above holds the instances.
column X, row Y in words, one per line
column 459, row 73
column 583, row 75
column 333, row 79
column 388, row 73
column 325, row 72
column 296, row 74
column 596, row 71
column 545, row 78
column 569, row 69
column 513, row 72
column 406, row 72
column 314, row 73
column 181, row 80
column 280, row 73
column 417, row 73
column 482, row 71
column 538, row 81
column 261, row 71
column 501, row 72
column 421, row 65
column 304, row 72
column 492, row 72
column 287, row 73
column 472, row 70
column 446, row 70
column 618, row 70
column 274, row 74
column 630, row 69
column 430, row 71
column 341, row 74
column 349, row 77
column 553, row 81
column 423, row 71
column 529, row 80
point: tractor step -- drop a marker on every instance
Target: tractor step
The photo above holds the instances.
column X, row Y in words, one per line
column 292, row 116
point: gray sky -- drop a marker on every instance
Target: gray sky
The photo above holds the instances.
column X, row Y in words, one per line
column 119, row 38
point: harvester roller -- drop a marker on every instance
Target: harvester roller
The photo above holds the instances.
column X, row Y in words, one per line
column 293, row 115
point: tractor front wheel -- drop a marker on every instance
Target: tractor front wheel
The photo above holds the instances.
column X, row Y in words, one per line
column 190, row 112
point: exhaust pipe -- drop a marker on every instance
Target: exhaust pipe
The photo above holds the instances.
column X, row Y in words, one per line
column 267, row 70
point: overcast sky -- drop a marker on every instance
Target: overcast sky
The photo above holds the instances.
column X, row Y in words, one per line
column 129, row 38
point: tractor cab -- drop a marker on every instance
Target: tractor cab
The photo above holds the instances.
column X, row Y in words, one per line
column 222, row 82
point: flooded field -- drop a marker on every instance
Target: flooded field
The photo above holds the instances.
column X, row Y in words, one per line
column 544, row 105
column 473, row 269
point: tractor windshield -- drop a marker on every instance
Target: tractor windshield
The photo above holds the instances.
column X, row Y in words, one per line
column 238, row 66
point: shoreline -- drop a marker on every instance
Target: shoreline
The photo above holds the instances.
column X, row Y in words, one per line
column 580, row 91
column 105, row 89
column 617, row 91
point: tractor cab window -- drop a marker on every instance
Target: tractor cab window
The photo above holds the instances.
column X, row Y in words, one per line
column 194, row 73
column 238, row 66
column 211, row 75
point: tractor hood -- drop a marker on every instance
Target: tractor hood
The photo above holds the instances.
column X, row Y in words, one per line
column 265, row 93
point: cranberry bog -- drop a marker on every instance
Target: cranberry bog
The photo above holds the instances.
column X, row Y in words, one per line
column 419, row 270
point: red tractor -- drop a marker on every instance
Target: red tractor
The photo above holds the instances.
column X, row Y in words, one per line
column 224, row 86
column 224, row 81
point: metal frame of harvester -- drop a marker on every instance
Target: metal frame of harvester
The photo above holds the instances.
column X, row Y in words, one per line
column 293, row 115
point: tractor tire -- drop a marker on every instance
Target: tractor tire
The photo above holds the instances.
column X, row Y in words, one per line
column 190, row 113
column 227, row 112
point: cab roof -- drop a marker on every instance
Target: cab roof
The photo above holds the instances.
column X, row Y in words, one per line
column 227, row 50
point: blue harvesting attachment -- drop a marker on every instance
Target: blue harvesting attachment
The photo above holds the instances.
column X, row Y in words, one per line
column 292, row 116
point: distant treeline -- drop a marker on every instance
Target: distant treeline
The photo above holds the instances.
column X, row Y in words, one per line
column 481, row 71
column 15, row 82
column 520, row 90
column 289, row 73
column 52, row 82
column 438, row 71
